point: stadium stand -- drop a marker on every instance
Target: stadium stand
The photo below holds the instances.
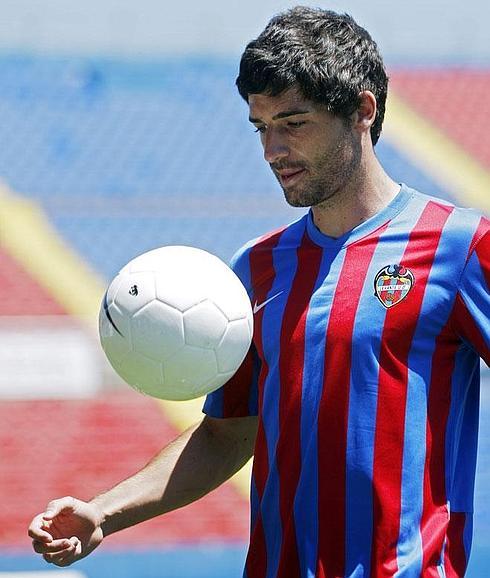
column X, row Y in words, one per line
column 451, row 98
column 81, row 447
column 128, row 157
column 21, row 294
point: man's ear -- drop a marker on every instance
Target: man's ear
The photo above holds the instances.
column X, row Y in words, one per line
column 365, row 114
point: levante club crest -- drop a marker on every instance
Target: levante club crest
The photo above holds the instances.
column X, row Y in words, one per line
column 392, row 284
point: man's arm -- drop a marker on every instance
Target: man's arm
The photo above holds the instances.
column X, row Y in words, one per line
column 198, row 461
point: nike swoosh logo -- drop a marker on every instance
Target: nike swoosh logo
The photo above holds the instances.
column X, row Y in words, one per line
column 258, row 307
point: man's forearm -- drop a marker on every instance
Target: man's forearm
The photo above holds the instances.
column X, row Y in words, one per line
column 198, row 461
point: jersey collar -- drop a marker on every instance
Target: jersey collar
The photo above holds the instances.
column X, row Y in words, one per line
column 365, row 228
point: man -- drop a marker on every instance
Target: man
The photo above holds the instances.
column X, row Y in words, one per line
column 359, row 395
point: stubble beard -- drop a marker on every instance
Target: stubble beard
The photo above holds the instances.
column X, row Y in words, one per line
column 327, row 176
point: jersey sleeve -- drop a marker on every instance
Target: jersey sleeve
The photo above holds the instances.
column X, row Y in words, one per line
column 239, row 396
column 472, row 307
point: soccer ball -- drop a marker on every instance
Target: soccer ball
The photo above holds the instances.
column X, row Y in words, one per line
column 176, row 323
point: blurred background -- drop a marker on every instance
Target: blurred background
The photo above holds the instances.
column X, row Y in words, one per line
column 121, row 131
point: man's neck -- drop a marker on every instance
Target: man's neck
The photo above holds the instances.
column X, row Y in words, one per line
column 364, row 196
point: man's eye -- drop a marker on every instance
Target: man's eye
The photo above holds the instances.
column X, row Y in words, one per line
column 260, row 129
column 296, row 124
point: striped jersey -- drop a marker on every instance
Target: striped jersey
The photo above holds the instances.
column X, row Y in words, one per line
column 364, row 372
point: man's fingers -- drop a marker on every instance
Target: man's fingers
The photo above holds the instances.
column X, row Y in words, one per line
column 77, row 546
column 52, row 547
column 57, row 506
column 65, row 556
column 37, row 530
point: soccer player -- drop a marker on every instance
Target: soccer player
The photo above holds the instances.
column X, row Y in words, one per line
column 359, row 396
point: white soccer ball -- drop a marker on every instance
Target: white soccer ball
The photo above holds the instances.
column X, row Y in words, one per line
column 176, row 323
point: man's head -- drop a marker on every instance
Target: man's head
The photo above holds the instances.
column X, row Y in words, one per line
column 327, row 56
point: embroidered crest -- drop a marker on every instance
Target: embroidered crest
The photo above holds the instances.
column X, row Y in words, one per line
column 392, row 284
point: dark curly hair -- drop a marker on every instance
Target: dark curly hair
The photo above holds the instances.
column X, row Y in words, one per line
column 327, row 55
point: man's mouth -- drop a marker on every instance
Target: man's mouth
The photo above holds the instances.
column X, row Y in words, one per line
column 289, row 176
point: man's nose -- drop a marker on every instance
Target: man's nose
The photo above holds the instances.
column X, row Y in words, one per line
column 275, row 145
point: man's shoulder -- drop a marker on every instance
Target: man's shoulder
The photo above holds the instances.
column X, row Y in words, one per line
column 461, row 220
column 261, row 247
column 267, row 241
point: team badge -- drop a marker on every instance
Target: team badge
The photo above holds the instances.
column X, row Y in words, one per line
column 392, row 284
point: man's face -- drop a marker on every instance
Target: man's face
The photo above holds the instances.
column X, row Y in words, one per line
column 313, row 153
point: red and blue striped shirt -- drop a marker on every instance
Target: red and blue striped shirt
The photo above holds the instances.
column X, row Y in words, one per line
column 364, row 372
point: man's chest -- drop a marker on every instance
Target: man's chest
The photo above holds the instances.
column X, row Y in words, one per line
column 355, row 299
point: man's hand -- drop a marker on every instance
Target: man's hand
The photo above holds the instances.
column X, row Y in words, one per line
column 68, row 530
